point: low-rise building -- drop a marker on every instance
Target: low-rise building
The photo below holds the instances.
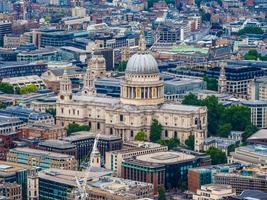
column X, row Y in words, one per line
column 251, row 154
column 219, row 142
column 114, row 159
column 19, row 82
column 46, row 132
column 15, row 69
column 253, row 178
column 205, row 175
column 58, row 146
column 42, row 159
column 11, row 191
column 260, row 137
column 43, row 104
column 28, row 115
column 15, row 173
column 214, row 192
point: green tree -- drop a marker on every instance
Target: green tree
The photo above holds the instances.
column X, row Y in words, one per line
column 249, row 130
column 212, row 83
column 2, row 106
column 237, row 116
column 252, row 54
column 217, row 156
column 250, row 30
column 162, row 195
column 224, row 129
column 190, row 142
column 215, row 110
column 72, row 128
column 121, row 66
column 140, row 136
column 171, row 143
column 51, row 111
column 28, row 89
column 232, row 148
column 191, row 99
column 6, row 88
column 155, row 131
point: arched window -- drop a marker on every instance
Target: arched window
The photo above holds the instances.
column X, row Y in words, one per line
column 111, row 131
column 98, row 125
column 132, row 133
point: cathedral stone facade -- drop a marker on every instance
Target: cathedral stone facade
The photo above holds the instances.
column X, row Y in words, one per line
column 141, row 101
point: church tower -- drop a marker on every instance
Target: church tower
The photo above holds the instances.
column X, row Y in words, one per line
column 65, row 93
column 89, row 84
column 96, row 68
column 222, row 85
column 95, row 157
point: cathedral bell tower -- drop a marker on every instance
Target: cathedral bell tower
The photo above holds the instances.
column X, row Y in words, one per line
column 96, row 68
column 65, row 92
column 222, row 84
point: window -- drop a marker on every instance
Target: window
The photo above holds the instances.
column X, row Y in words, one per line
column 132, row 133
column 62, row 110
column 98, row 125
column 111, row 131
column 166, row 133
column 175, row 134
column 121, row 118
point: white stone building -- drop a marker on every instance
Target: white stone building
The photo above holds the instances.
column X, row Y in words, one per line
column 141, row 101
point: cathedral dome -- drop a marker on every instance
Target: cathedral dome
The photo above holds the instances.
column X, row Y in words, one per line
column 142, row 63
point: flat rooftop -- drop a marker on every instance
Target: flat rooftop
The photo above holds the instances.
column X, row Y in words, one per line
column 58, row 144
column 41, row 153
column 10, row 167
column 86, row 134
column 68, row 176
column 167, row 157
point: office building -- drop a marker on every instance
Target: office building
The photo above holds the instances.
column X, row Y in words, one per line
column 258, row 110
column 205, row 174
column 19, row 82
column 214, row 192
column 15, row 173
column 84, row 143
column 58, row 146
column 5, row 28
column 11, row 191
column 114, row 159
column 10, row 124
column 28, row 115
column 16, row 69
column 250, row 154
column 161, row 168
column 247, row 178
column 58, row 183
column 257, row 89
column 42, row 159
column 238, row 78
column 43, row 54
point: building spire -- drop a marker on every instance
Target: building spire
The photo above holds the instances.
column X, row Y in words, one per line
column 222, row 85
column 142, row 40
